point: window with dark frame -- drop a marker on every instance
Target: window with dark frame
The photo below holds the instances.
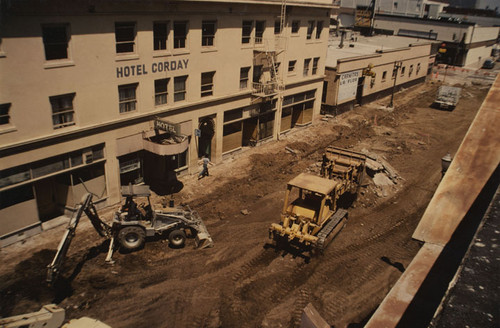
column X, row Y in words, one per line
column 160, row 35
column 291, row 66
column 295, row 26
column 62, row 110
column 310, row 29
column 307, row 63
column 319, row 29
column 410, row 71
column 4, row 113
column 207, row 84
column 244, row 71
column 384, row 76
column 208, row 33
column 277, row 27
column 180, row 88
column 125, row 37
column 403, row 70
column 260, row 26
column 161, row 91
column 180, row 35
column 315, row 65
column 127, row 97
column 246, row 31
column 55, row 41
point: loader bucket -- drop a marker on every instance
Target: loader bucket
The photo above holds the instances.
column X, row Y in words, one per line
column 203, row 238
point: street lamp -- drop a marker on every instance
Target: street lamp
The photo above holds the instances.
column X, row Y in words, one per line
column 397, row 65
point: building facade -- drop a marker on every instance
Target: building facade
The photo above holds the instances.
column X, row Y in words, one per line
column 97, row 96
column 364, row 78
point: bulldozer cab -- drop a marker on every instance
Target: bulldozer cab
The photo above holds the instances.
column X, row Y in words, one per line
column 137, row 204
column 308, row 197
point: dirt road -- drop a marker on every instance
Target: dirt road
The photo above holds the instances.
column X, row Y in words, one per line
column 242, row 282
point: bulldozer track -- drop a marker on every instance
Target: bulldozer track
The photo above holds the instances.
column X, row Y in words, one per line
column 299, row 305
column 263, row 259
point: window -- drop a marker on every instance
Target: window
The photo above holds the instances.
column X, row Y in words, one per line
column 180, row 35
column 410, row 70
column 161, row 87
column 295, row 26
column 291, row 66
column 319, row 28
column 310, row 29
column 244, row 77
column 246, row 31
column 160, row 34
column 418, row 68
column 127, row 98
column 307, row 62
column 277, row 27
column 403, row 70
column 207, row 84
column 180, row 88
column 4, row 114
column 257, row 72
column 315, row 65
column 384, row 76
column 395, row 5
column 55, row 41
column 259, row 31
column 208, row 33
column 394, row 72
column 125, row 37
column 62, row 110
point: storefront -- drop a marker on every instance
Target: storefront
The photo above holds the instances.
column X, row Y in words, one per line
column 297, row 110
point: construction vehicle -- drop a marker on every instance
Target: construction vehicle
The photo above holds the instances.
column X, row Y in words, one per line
column 49, row 316
column 311, row 215
column 447, row 97
column 132, row 224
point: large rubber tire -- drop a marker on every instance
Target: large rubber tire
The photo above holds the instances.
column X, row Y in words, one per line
column 177, row 238
column 132, row 237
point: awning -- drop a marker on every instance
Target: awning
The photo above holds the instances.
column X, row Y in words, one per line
column 166, row 149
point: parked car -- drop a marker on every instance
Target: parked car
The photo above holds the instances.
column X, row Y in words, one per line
column 488, row 63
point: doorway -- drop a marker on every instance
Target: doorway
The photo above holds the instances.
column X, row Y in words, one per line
column 207, row 129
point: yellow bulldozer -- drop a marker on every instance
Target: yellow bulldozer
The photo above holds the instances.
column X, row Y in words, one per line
column 311, row 216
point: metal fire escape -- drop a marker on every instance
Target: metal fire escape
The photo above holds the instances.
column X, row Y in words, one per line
column 270, row 81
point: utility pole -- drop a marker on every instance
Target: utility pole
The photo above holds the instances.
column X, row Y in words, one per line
column 397, row 65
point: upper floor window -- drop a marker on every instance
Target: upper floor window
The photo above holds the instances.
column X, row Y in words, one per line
column 180, row 88
column 319, row 28
column 55, row 41
column 4, row 114
column 310, row 29
column 160, row 35
column 277, row 27
column 291, row 66
column 410, row 70
column 125, row 37
column 307, row 63
column 161, row 87
column 384, row 76
column 62, row 110
column 180, row 35
column 295, row 26
column 315, row 65
column 246, row 31
column 207, row 84
column 260, row 26
column 418, row 68
column 403, row 70
column 208, row 29
column 244, row 77
column 127, row 97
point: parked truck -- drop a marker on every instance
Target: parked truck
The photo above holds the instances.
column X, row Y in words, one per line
column 132, row 223
column 447, row 97
column 311, row 215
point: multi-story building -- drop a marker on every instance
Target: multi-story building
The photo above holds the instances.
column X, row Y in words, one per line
column 98, row 95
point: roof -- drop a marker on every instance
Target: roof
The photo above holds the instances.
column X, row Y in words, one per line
column 313, row 183
column 365, row 46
